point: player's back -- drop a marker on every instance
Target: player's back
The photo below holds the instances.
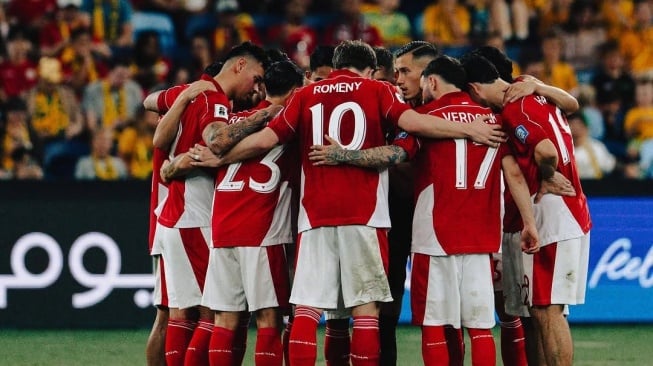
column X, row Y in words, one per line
column 354, row 111
column 558, row 218
column 457, row 186
column 251, row 204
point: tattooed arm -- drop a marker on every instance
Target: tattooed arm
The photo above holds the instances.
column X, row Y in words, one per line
column 376, row 157
column 220, row 137
column 179, row 166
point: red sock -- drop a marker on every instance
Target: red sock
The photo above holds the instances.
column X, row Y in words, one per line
column 513, row 345
column 178, row 334
column 197, row 352
column 455, row 344
column 269, row 351
column 483, row 351
column 365, row 342
column 240, row 339
column 285, row 340
column 337, row 342
column 222, row 341
column 434, row 346
column 303, row 337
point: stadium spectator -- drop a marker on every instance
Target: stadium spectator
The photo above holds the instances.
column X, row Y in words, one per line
column 18, row 72
column 393, row 25
column 544, row 152
column 26, row 166
column 636, row 43
column 447, row 24
column 495, row 40
column 111, row 25
column 581, row 37
column 593, row 160
column 54, row 36
column 151, row 67
column 31, row 14
column 101, row 164
column 233, row 27
column 555, row 14
column 617, row 15
column 16, row 132
column 511, row 18
column 56, row 118
column 293, row 35
column 112, row 101
column 556, row 71
column 135, row 143
column 84, row 64
column 593, row 116
column 638, row 122
column 615, row 94
column 350, row 24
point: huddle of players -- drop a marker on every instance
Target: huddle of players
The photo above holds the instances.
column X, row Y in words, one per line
column 343, row 217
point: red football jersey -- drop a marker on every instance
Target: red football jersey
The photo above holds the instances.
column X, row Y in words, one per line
column 158, row 192
column 457, row 186
column 356, row 112
column 188, row 203
column 251, row 204
column 528, row 121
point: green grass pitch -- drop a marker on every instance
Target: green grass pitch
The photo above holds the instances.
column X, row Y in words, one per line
column 594, row 345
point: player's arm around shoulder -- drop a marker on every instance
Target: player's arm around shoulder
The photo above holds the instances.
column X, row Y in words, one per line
column 375, row 157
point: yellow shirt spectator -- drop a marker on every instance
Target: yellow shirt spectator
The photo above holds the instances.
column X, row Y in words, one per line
column 618, row 16
column 639, row 123
column 446, row 23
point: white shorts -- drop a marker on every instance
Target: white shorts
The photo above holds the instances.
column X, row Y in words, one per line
column 349, row 260
column 452, row 290
column 186, row 257
column 160, row 293
column 247, row 278
column 557, row 274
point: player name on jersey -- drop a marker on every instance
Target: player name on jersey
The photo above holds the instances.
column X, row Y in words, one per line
column 336, row 88
column 465, row 117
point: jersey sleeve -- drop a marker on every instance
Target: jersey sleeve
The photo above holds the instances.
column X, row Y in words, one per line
column 167, row 98
column 286, row 123
column 408, row 142
column 218, row 108
column 391, row 103
column 522, row 121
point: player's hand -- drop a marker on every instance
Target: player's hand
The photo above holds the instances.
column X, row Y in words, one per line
column 164, row 167
column 326, row 154
column 486, row 133
column 202, row 156
column 558, row 184
column 530, row 242
column 519, row 90
column 197, row 87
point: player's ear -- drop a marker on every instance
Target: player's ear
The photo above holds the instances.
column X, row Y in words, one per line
column 241, row 63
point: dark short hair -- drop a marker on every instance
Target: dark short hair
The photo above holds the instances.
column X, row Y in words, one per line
column 384, row 58
column 479, row 69
column 276, row 55
column 214, row 68
column 281, row 77
column 449, row 69
column 15, row 104
column 356, row 54
column 321, row 56
column 418, row 49
column 499, row 59
column 249, row 49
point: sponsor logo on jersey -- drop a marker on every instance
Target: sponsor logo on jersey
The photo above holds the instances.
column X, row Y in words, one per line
column 521, row 133
column 220, row 111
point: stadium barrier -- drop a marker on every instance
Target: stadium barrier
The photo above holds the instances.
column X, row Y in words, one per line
column 74, row 255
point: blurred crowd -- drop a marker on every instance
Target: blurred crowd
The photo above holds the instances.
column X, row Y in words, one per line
column 74, row 73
